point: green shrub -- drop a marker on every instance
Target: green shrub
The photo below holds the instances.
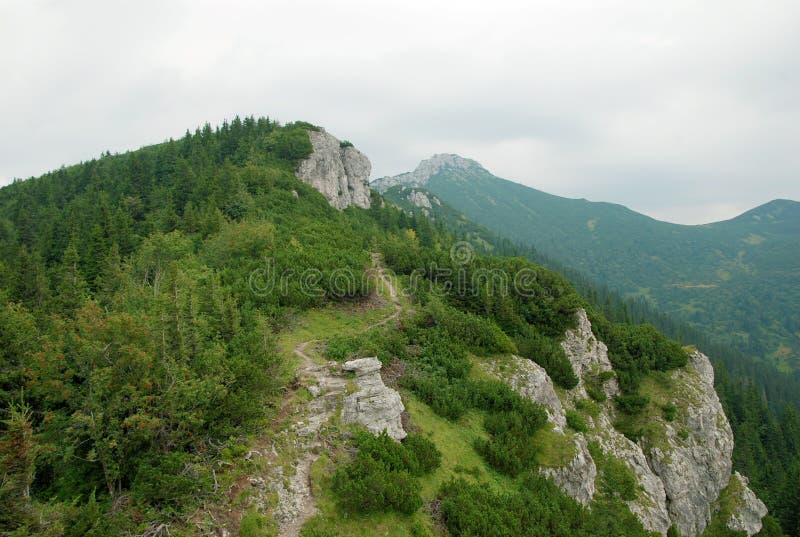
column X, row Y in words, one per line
column 368, row 486
column 632, row 404
column 254, row 525
column 476, row 333
column 673, row 531
column 617, row 480
column 576, row 421
column 342, row 348
column 670, row 411
column 165, row 480
column 511, row 422
column 596, row 393
column 508, row 453
column 449, row 399
column 535, row 507
column 424, row 458
column 606, row 376
column 588, row 406
column 441, row 354
column 549, row 354
column 635, row 350
column 381, row 476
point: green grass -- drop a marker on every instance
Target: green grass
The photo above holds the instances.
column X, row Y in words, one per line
column 324, row 323
column 455, row 441
column 662, row 389
column 553, row 449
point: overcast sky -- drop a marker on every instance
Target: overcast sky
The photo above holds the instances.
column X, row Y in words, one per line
column 684, row 110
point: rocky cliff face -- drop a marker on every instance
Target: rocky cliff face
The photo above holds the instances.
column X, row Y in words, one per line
column 683, row 467
column 339, row 171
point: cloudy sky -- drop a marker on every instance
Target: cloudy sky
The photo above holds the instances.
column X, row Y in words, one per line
column 684, row 110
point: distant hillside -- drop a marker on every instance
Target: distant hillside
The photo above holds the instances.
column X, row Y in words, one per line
column 736, row 279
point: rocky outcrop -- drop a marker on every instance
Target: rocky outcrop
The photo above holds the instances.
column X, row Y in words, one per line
column 425, row 170
column 587, row 354
column 576, row 478
column 338, row 170
column 374, row 406
column 748, row 509
column 694, row 465
column 420, row 199
column 682, row 467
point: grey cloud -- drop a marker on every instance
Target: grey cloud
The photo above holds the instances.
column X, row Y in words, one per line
column 688, row 103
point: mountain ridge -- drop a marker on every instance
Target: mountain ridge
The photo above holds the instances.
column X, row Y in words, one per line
column 427, row 168
column 709, row 275
column 172, row 291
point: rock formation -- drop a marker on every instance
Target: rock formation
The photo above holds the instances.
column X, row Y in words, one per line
column 375, row 406
column 696, row 467
column 681, row 467
column 749, row 510
column 576, row 478
column 338, row 170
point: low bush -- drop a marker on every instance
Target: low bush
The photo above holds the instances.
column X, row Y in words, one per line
column 480, row 335
column 381, row 477
column 596, row 393
column 576, row 422
column 670, row 411
column 367, row 486
column 631, row 404
column 617, row 480
column 635, row 350
column 548, row 353
column 534, row 508
column 424, row 458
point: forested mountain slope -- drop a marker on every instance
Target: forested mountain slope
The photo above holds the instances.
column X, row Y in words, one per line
column 738, row 280
column 760, row 401
column 177, row 329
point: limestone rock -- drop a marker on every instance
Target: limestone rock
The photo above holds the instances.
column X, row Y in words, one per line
column 577, row 478
column 695, row 468
column 587, row 354
column 750, row 510
column 418, row 198
column 650, row 507
column 340, row 172
column 375, row 406
column 684, row 468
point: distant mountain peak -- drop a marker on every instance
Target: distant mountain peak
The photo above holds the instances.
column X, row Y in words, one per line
column 777, row 210
column 427, row 169
column 447, row 160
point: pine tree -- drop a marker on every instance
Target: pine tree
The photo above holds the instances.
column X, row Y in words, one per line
column 71, row 288
column 17, row 466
